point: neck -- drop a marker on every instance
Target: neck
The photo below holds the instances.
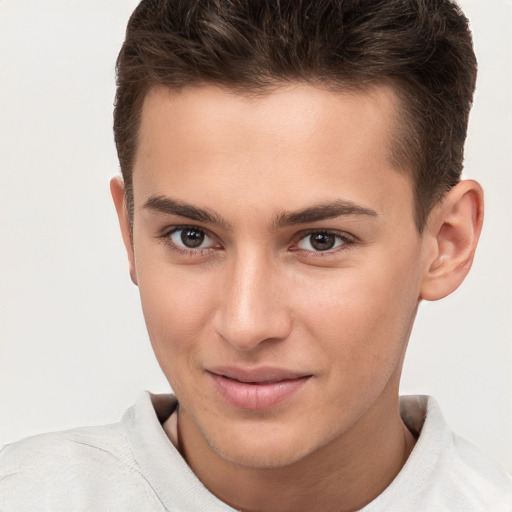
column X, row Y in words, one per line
column 344, row 475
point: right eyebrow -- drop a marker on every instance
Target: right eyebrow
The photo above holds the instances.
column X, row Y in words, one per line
column 169, row 206
column 323, row 211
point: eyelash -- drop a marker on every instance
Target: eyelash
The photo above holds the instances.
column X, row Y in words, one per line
column 348, row 241
column 166, row 239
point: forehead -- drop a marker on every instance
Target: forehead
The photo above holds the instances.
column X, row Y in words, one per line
column 306, row 110
column 294, row 144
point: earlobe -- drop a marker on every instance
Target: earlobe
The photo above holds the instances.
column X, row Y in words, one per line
column 117, row 191
column 454, row 227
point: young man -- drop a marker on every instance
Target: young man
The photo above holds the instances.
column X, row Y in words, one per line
column 291, row 192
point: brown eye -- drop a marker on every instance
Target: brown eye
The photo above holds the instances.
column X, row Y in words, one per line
column 189, row 238
column 192, row 238
column 321, row 241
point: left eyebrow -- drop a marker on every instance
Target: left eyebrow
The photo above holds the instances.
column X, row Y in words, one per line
column 324, row 211
column 169, row 206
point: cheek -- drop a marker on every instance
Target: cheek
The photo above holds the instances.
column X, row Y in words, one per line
column 361, row 319
column 177, row 307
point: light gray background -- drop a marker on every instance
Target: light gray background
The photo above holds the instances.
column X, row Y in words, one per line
column 73, row 346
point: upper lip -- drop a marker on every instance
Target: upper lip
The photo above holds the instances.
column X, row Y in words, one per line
column 262, row 374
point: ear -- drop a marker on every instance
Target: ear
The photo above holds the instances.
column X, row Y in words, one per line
column 454, row 228
column 117, row 191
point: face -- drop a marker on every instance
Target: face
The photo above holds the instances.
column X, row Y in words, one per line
column 278, row 263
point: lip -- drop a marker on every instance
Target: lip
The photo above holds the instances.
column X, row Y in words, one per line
column 256, row 389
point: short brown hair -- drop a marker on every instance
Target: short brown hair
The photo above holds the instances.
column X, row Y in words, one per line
column 423, row 47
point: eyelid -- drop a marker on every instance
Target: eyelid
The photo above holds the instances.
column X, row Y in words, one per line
column 169, row 230
column 349, row 240
column 328, row 231
column 165, row 237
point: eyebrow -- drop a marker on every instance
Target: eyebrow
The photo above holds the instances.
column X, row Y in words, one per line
column 324, row 211
column 169, row 206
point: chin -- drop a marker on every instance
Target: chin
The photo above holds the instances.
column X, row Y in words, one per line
column 263, row 456
column 261, row 447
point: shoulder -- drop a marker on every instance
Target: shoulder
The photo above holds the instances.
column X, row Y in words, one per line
column 475, row 478
column 79, row 469
column 102, row 441
column 444, row 472
column 467, row 475
column 461, row 476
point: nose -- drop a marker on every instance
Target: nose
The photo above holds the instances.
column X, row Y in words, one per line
column 253, row 308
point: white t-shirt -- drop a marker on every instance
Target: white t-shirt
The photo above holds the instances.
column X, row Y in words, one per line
column 132, row 466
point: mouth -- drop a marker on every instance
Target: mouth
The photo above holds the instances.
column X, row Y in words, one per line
column 256, row 389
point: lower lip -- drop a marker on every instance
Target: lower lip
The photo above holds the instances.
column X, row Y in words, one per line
column 256, row 397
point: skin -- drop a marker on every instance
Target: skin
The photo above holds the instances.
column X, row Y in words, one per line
column 258, row 293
